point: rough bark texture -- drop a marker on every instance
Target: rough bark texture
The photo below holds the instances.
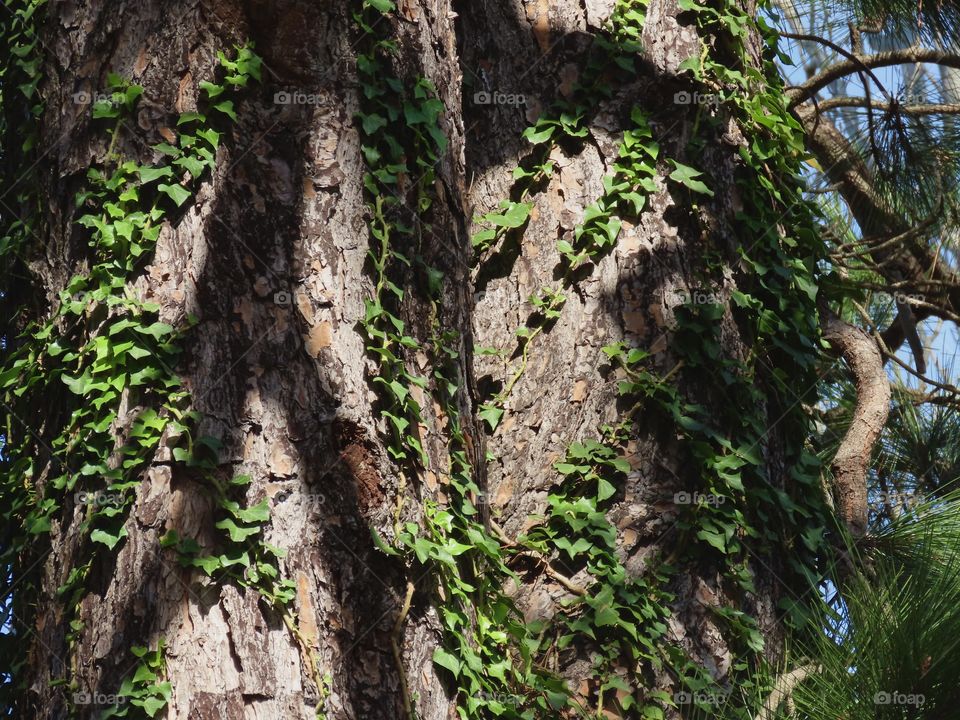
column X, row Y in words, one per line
column 271, row 259
column 852, row 460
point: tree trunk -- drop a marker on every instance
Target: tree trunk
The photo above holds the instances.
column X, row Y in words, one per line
column 271, row 254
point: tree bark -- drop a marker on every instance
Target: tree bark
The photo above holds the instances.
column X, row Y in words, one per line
column 271, row 257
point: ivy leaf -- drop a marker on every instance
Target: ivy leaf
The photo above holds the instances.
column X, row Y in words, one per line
column 491, row 414
column 166, row 149
column 131, row 94
column 446, row 660
column 483, row 238
column 208, row 563
column 259, row 513
column 686, row 175
column 190, row 164
column 38, row 525
column 144, row 675
column 211, row 89
column 236, row 532
column 606, row 616
column 124, row 229
column 149, row 174
column 396, row 389
column 105, row 109
column 538, row 137
column 178, row 193
column 384, row 6
column 211, row 136
column 156, row 330
column 226, row 107
column 556, row 699
column 373, row 122
column 78, row 386
column 189, row 117
column 714, row 538
column 605, row 489
column 151, row 705
column 515, row 215
column 101, row 536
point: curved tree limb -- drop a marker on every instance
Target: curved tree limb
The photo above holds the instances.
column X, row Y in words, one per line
column 852, row 461
column 905, row 56
column 783, row 688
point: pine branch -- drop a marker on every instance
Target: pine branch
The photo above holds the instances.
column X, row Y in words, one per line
column 912, row 261
column 891, row 106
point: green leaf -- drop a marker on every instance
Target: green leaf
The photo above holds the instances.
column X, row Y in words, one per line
column 156, row 330
column 538, row 137
column 211, row 136
column 686, row 175
column 105, row 109
column 446, row 660
column 211, row 89
column 491, row 414
column 208, row 563
column 189, row 117
column 167, row 149
column 714, row 538
column 144, row 675
column 236, row 532
column 178, row 193
column 606, row 616
column 105, row 538
column 149, row 174
column 259, row 513
column 483, row 238
column 190, row 164
column 373, row 122
column 516, row 215
column 226, row 107
column 152, row 705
